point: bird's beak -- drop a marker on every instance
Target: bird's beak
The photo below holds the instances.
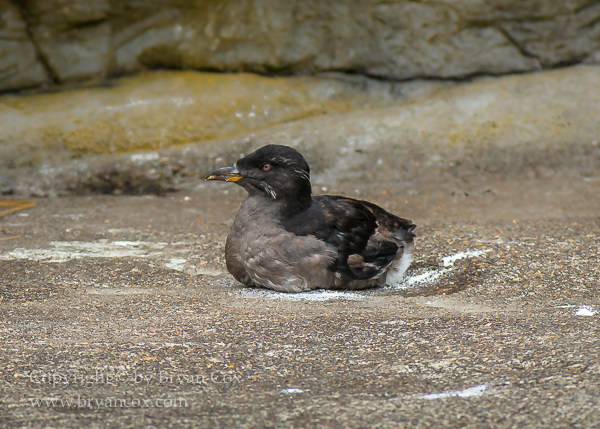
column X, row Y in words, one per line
column 226, row 174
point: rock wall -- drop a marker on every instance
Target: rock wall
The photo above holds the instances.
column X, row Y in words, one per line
column 20, row 66
column 537, row 125
column 57, row 41
column 158, row 109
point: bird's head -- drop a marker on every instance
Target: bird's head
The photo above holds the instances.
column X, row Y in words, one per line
column 279, row 172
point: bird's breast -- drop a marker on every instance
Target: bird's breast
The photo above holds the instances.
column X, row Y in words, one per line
column 275, row 258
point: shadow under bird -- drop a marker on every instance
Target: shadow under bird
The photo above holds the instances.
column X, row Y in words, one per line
column 285, row 239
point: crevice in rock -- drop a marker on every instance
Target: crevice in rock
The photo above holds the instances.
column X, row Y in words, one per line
column 519, row 47
column 39, row 54
column 584, row 6
column 590, row 25
column 466, row 78
column 88, row 24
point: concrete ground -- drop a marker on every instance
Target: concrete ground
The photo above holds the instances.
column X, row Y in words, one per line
column 118, row 312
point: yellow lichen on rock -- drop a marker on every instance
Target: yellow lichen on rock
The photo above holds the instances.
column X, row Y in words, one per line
column 160, row 109
column 533, row 125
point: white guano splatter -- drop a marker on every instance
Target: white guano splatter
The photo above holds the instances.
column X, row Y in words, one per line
column 428, row 276
column 177, row 264
column 292, row 390
column 316, row 295
column 471, row 391
column 585, row 310
column 62, row 251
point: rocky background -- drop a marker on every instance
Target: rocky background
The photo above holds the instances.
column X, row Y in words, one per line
column 416, row 80
column 59, row 41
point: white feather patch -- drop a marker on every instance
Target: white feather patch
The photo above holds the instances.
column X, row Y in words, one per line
column 396, row 275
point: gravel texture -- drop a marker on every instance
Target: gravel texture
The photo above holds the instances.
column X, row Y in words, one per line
column 137, row 309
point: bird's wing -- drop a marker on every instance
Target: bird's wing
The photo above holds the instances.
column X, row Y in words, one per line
column 353, row 228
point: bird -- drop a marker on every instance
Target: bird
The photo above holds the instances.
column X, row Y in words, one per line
column 285, row 239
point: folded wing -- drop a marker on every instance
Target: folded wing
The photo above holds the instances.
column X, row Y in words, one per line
column 366, row 237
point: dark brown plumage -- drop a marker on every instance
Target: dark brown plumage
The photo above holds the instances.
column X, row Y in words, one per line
column 285, row 239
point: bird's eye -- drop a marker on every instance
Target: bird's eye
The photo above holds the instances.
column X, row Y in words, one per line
column 266, row 167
